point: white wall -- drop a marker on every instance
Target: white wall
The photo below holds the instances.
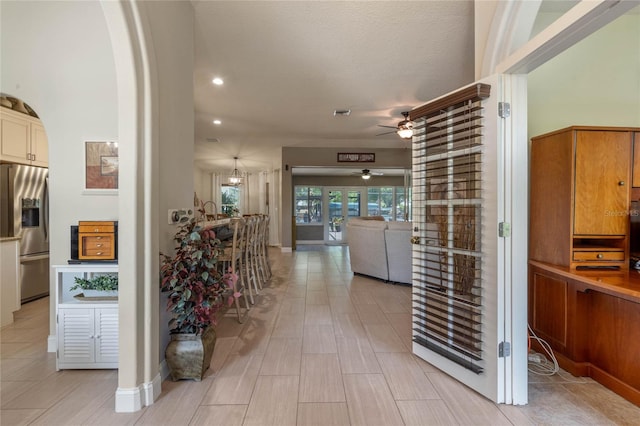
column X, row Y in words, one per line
column 57, row 57
column 202, row 181
column 593, row 83
column 171, row 25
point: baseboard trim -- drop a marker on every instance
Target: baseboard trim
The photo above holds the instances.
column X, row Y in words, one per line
column 52, row 343
column 128, row 400
column 152, row 390
column 286, row 249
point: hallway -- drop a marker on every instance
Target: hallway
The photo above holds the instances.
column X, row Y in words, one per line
column 319, row 347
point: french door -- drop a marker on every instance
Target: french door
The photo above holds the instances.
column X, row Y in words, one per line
column 342, row 204
column 470, row 237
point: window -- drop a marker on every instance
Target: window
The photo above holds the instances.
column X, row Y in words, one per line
column 230, row 200
column 308, row 204
column 392, row 203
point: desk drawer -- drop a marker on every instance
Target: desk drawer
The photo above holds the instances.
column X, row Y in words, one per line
column 598, row 256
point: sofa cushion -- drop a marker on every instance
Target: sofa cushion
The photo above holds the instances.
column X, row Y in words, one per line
column 398, row 247
column 400, row 226
column 370, row 224
column 367, row 250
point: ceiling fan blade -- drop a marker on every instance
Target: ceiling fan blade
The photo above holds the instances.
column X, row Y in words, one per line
column 386, row 133
column 391, row 127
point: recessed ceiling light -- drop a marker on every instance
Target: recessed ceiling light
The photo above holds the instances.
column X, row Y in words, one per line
column 345, row 112
column 217, row 122
column 218, row 81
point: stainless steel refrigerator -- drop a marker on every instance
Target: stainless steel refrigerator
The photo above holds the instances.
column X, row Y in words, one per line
column 24, row 213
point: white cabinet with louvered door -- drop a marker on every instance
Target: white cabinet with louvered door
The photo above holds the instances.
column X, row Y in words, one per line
column 87, row 337
column 87, row 328
column 106, row 338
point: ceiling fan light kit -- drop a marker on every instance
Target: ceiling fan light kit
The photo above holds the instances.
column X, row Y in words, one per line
column 366, row 174
column 404, row 129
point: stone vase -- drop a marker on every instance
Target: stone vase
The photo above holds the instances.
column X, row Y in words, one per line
column 188, row 355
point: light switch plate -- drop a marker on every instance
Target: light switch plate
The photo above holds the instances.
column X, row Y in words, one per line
column 177, row 216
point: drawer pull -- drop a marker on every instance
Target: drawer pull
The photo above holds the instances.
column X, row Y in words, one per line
column 99, row 253
column 621, row 183
column 98, row 238
column 98, row 245
column 599, row 256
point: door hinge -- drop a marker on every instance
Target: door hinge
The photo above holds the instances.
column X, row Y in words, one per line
column 504, row 109
column 504, row 349
column 504, row 229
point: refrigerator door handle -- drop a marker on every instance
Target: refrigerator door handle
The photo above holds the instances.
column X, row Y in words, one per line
column 33, row 257
column 45, row 209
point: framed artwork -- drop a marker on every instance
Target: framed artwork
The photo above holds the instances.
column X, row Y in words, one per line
column 356, row 157
column 101, row 165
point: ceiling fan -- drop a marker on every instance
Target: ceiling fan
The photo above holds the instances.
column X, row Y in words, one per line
column 366, row 174
column 404, row 129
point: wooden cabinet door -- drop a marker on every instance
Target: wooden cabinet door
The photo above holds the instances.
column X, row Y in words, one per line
column 602, row 175
column 14, row 139
column 39, row 146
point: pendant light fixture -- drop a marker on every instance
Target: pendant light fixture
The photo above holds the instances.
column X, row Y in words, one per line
column 235, row 178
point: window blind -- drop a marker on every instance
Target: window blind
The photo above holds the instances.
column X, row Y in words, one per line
column 447, row 262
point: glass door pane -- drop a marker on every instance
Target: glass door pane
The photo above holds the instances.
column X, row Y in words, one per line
column 335, row 217
column 342, row 204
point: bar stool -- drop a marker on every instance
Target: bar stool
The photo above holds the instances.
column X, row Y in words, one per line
column 255, row 252
column 230, row 260
column 248, row 268
column 264, row 249
column 260, row 253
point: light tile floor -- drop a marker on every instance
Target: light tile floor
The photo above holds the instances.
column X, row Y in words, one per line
column 320, row 347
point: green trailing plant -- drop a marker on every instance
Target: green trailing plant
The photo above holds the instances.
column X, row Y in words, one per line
column 98, row 282
column 196, row 289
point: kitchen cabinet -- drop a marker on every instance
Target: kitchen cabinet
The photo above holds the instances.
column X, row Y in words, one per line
column 86, row 329
column 580, row 197
column 9, row 279
column 22, row 139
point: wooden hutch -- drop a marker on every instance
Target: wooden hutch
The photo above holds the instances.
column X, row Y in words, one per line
column 584, row 299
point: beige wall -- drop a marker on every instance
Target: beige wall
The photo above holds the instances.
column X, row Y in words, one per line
column 171, row 26
column 593, row 83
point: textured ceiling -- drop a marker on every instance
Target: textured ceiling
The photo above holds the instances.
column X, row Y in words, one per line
column 288, row 65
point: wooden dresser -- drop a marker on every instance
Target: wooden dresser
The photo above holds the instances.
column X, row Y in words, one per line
column 97, row 240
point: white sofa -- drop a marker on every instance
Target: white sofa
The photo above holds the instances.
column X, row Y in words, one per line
column 380, row 249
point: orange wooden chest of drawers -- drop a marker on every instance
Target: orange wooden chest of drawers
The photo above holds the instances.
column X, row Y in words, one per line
column 96, row 240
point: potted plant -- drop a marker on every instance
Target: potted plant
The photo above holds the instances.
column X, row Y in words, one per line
column 196, row 290
column 97, row 286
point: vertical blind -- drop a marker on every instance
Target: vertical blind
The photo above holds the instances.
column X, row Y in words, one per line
column 447, row 261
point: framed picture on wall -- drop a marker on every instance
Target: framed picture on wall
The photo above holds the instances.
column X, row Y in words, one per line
column 101, row 165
